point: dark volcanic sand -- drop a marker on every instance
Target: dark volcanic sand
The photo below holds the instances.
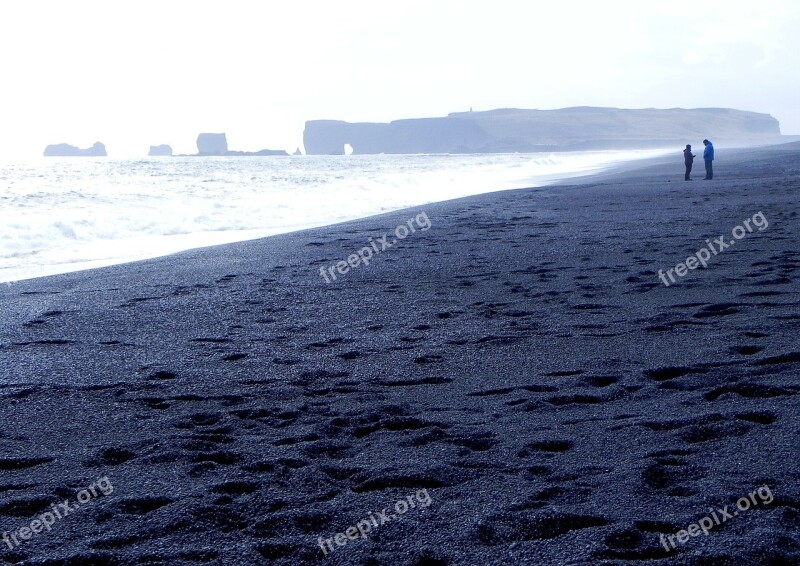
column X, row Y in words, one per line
column 520, row 360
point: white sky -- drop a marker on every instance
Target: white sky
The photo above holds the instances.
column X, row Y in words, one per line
column 135, row 73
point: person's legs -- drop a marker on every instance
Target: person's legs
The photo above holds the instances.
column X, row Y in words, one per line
column 688, row 170
column 709, row 173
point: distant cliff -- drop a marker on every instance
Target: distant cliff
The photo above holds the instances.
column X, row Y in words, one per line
column 217, row 144
column 160, row 150
column 515, row 130
column 66, row 150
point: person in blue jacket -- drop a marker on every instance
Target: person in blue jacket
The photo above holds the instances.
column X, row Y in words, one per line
column 708, row 157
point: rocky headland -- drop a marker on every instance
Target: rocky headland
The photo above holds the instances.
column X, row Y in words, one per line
column 511, row 130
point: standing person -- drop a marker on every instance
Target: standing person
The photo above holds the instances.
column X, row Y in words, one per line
column 708, row 157
column 688, row 159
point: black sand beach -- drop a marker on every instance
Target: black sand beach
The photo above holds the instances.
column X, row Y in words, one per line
column 520, row 361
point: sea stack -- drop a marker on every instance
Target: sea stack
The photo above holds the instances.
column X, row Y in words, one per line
column 212, row 144
column 66, row 150
column 160, row 150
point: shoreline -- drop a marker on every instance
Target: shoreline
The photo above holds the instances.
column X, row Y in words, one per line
column 614, row 170
column 170, row 244
column 520, row 361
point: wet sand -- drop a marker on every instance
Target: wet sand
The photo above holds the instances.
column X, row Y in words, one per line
column 518, row 370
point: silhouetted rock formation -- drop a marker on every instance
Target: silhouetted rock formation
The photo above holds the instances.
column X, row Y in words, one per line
column 160, row 150
column 212, row 144
column 297, row 152
column 515, row 130
column 66, row 150
column 217, row 144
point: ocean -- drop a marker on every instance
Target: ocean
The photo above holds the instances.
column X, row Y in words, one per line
column 66, row 214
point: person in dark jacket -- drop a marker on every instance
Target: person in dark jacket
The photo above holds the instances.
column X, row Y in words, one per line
column 708, row 157
column 688, row 159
